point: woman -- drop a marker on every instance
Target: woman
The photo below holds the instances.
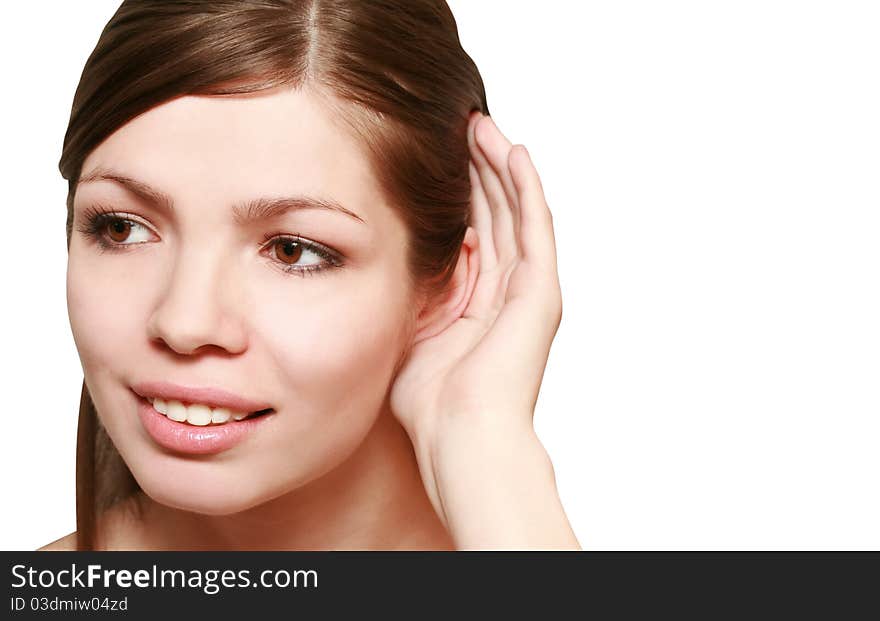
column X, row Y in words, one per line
column 218, row 150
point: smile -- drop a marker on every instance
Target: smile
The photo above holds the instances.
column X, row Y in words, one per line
column 200, row 414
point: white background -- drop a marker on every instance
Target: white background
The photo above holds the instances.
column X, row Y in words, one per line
column 714, row 173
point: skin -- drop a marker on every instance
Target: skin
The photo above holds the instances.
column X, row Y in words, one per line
column 440, row 455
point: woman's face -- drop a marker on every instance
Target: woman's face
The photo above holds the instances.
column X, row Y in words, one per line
column 197, row 294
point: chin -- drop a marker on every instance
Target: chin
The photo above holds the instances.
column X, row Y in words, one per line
column 205, row 496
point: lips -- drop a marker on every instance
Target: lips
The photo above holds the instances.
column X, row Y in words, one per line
column 211, row 396
column 183, row 438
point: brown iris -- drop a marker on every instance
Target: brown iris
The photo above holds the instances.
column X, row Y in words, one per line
column 291, row 251
column 120, row 228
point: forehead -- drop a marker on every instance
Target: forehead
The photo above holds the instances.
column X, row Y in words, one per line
column 226, row 148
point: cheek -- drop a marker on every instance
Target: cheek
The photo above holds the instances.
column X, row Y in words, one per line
column 340, row 337
column 105, row 308
column 103, row 305
column 334, row 353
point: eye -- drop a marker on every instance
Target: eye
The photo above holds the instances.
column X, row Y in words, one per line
column 119, row 230
column 289, row 251
column 111, row 230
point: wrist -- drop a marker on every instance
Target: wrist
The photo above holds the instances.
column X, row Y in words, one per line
column 497, row 487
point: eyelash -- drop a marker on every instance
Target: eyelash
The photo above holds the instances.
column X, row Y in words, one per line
column 98, row 218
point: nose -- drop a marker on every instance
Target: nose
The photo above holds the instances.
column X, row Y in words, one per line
column 196, row 308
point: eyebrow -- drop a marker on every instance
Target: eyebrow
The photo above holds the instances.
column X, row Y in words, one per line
column 243, row 213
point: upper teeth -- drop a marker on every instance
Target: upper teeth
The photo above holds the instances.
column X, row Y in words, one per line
column 194, row 413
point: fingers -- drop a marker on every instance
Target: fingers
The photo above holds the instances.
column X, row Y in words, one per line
column 538, row 242
column 481, row 214
column 497, row 147
column 484, row 298
column 489, row 152
column 511, row 217
column 488, row 294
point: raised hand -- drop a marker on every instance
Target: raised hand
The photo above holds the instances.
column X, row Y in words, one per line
column 467, row 394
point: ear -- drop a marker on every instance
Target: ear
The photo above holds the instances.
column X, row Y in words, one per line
column 441, row 310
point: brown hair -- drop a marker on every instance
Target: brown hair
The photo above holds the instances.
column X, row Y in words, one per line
column 402, row 84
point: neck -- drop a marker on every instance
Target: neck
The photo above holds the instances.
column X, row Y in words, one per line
column 375, row 500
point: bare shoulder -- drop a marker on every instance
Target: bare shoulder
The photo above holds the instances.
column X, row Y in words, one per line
column 64, row 544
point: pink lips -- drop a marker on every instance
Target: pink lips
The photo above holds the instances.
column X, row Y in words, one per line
column 196, row 439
